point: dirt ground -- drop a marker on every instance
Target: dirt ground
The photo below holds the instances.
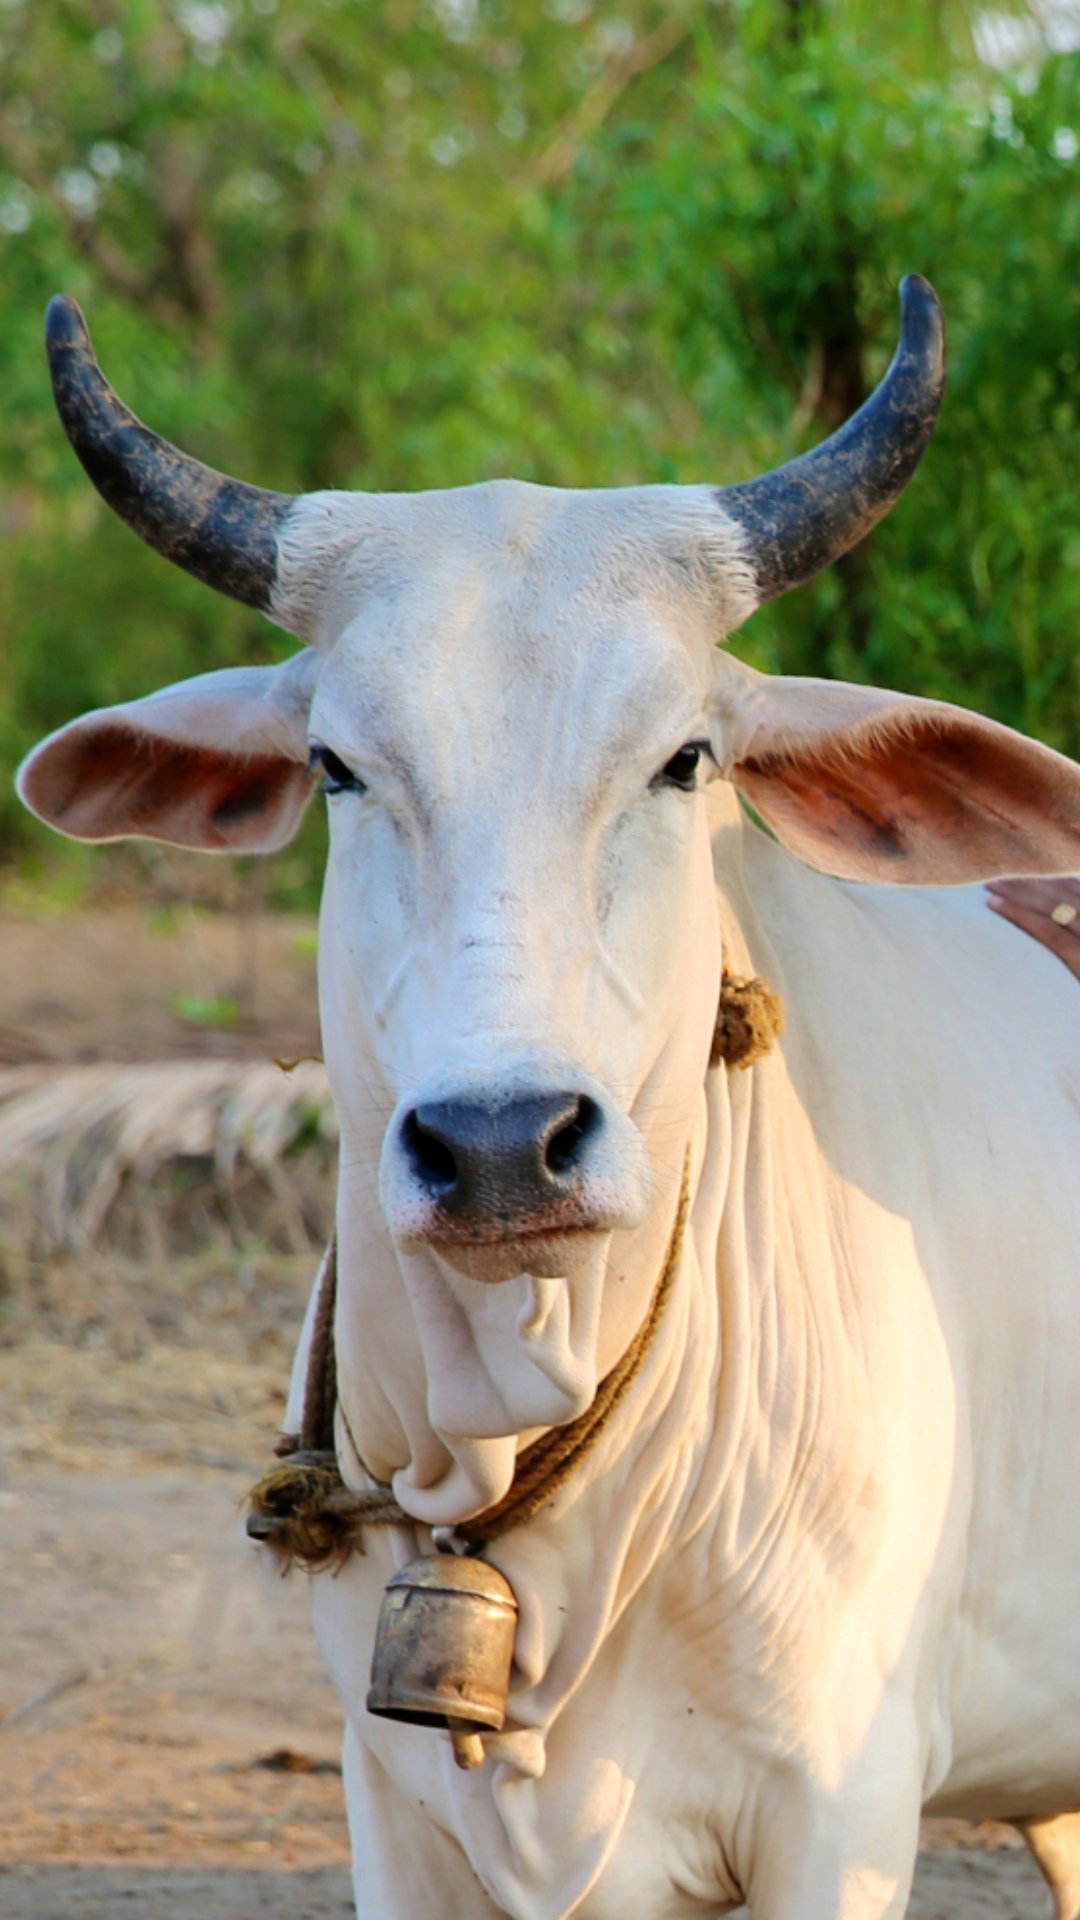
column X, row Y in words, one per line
column 167, row 1738
column 168, row 1742
column 131, row 982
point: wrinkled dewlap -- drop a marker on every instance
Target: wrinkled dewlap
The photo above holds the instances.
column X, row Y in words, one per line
column 304, row 1510
column 749, row 1019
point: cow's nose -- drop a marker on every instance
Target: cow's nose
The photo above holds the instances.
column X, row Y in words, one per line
column 500, row 1159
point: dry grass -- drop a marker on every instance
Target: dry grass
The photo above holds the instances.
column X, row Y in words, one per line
column 160, row 1230
column 178, row 1203
column 163, row 1158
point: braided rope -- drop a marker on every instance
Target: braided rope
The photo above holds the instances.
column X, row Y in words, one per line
column 320, row 1387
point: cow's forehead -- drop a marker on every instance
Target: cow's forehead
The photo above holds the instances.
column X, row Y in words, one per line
column 577, row 627
column 552, row 560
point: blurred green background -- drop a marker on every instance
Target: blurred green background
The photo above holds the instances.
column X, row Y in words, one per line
column 415, row 243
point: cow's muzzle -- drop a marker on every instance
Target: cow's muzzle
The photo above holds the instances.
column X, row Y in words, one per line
column 520, row 1158
column 512, row 1182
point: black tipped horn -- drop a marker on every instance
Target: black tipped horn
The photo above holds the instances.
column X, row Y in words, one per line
column 805, row 515
column 221, row 530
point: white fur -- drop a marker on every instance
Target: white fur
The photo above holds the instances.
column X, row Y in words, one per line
column 337, row 550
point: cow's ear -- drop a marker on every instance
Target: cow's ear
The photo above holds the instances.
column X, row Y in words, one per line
column 219, row 763
column 870, row 785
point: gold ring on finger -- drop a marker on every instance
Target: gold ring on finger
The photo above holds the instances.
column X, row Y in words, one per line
column 1064, row 914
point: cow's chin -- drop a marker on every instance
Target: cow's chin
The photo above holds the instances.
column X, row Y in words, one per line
column 557, row 1254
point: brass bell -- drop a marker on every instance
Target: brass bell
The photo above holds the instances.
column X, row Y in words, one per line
column 443, row 1649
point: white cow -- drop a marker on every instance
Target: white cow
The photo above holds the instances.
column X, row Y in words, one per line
column 823, row 1567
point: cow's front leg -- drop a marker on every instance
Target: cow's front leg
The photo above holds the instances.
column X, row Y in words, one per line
column 841, row 1856
column 404, row 1866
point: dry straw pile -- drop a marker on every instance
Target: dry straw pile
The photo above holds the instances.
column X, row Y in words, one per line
column 158, row 1158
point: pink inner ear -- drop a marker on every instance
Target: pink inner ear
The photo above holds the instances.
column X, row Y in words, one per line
column 941, row 797
column 827, row 803
column 110, row 780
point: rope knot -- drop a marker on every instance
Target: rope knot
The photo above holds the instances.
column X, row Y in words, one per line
column 304, row 1510
column 749, row 1021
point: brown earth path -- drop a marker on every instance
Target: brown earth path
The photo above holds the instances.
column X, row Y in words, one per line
column 131, row 982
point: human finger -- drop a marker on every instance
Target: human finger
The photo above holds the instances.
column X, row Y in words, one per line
column 1060, row 940
column 1041, row 895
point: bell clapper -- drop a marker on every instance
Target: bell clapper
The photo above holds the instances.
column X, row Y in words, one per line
column 445, row 1540
column 468, row 1744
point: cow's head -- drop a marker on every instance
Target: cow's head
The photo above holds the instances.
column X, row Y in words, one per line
column 513, row 697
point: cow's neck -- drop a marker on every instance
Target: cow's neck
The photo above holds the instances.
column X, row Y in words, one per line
column 802, row 1320
column 765, row 1336
column 742, row 1453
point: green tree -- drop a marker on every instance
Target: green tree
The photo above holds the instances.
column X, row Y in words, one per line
column 427, row 241
column 816, row 163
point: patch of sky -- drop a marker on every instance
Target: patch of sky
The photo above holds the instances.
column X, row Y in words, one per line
column 1018, row 43
column 106, row 159
column 16, row 210
column 448, row 148
column 79, row 190
column 458, row 19
column 206, row 22
column 614, row 38
column 572, row 13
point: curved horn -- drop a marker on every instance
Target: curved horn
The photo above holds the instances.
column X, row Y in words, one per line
column 805, row 515
column 221, row 530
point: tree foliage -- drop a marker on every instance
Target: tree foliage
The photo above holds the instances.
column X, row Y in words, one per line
column 422, row 242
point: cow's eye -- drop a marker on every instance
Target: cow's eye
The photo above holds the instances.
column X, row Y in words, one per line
column 681, row 769
column 337, row 777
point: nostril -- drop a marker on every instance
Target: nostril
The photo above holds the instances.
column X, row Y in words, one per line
column 567, row 1144
column 499, row 1157
column 429, row 1156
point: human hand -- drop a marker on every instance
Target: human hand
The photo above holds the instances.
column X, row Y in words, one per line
column 1047, row 909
